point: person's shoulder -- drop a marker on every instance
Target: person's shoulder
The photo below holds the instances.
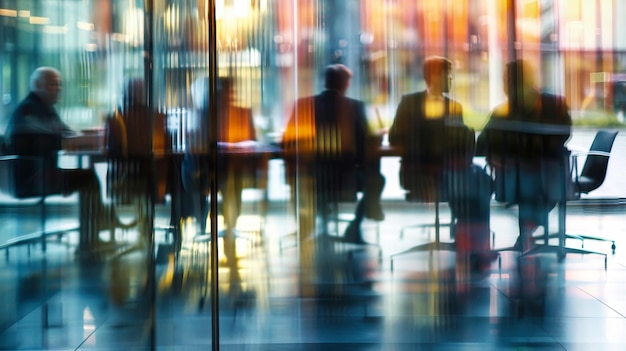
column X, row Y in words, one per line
column 412, row 100
column 304, row 104
column 26, row 106
column 454, row 105
column 553, row 106
column 307, row 99
column 354, row 101
column 550, row 98
column 24, row 109
column 500, row 111
column 549, row 95
column 414, row 95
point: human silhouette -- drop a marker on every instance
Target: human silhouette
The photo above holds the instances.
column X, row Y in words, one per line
column 326, row 141
column 436, row 149
column 36, row 129
column 135, row 139
column 524, row 143
column 235, row 126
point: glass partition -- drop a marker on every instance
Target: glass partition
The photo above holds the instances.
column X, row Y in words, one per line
column 228, row 236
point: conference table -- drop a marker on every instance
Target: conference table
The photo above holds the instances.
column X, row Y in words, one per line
column 90, row 147
column 88, row 150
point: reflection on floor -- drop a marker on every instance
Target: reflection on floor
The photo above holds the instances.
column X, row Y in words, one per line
column 322, row 296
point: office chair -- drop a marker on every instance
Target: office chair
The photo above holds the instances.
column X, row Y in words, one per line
column 10, row 185
column 469, row 212
column 457, row 181
column 437, row 244
column 590, row 178
column 436, row 225
column 329, row 182
column 12, row 169
column 336, row 182
column 592, row 175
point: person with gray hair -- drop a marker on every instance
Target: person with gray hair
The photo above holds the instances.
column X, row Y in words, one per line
column 35, row 129
column 36, row 112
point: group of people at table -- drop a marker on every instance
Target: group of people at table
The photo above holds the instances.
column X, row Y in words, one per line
column 327, row 146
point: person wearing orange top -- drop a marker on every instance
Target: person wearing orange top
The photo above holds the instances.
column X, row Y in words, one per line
column 235, row 125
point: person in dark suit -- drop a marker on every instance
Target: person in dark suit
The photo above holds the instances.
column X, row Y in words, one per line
column 437, row 148
column 430, row 135
column 328, row 135
column 524, row 143
column 36, row 129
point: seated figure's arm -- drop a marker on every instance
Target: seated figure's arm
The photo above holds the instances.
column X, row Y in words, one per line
column 399, row 128
column 115, row 136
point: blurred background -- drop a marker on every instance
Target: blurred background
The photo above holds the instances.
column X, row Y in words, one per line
column 274, row 52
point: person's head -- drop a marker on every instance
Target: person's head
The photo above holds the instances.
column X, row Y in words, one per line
column 519, row 79
column 45, row 82
column 337, row 78
column 438, row 74
column 133, row 92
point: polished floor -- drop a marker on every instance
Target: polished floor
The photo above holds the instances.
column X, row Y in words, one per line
column 324, row 296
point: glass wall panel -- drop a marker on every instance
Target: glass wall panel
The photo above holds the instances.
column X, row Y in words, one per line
column 234, row 201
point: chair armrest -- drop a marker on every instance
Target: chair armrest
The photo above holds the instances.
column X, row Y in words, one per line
column 577, row 176
column 591, row 153
column 585, row 154
column 6, row 158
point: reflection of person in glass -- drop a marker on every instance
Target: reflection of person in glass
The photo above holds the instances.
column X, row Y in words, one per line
column 35, row 129
column 524, row 143
column 235, row 125
column 437, row 148
column 332, row 129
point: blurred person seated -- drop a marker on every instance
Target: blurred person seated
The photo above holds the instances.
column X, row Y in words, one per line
column 325, row 146
column 437, row 149
column 524, row 143
column 235, row 128
column 35, row 129
column 131, row 150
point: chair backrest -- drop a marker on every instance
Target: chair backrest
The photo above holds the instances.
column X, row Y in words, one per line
column 596, row 165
